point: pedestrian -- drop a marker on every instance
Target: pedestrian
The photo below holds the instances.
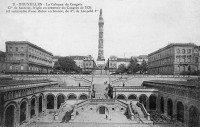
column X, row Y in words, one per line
column 106, row 117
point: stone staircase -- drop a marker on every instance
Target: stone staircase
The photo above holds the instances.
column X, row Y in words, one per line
column 100, row 91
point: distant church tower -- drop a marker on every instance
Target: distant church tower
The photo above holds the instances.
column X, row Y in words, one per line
column 100, row 59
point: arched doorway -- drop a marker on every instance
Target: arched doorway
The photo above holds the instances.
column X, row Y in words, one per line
column 23, row 111
column 132, row 97
column 162, row 104
column 121, row 97
column 152, row 102
column 143, row 99
column 170, row 107
column 72, row 97
column 60, row 100
column 33, row 101
column 83, row 97
column 40, row 104
column 9, row 116
column 102, row 110
column 50, row 101
column 193, row 117
column 180, row 111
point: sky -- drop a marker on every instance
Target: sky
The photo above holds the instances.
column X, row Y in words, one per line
column 131, row 27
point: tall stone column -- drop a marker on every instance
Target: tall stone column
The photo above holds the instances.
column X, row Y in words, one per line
column 165, row 106
column 17, row 118
column 174, row 113
column 147, row 105
column 37, row 107
column 186, row 116
column 158, row 104
column 28, row 114
column 55, row 103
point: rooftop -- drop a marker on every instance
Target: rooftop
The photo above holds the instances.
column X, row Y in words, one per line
column 26, row 42
column 173, row 44
column 123, row 59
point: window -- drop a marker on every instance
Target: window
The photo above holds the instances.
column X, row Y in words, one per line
column 16, row 49
column 22, row 49
column 10, row 67
column 189, row 59
column 178, row 58
column 178, row 68
column 11, row 49
column 184, row 58
column 183, row 51
column 189, row 51
column 22, row 67
column 196, row 59
column 178, row 51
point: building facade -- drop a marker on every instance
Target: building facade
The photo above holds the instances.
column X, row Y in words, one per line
column 2, row 62
column 25, row 57
column 177, row 100
column 88, row 64
column 174, row 59
column 78, row 60
column 141, row 58
column 114, row 62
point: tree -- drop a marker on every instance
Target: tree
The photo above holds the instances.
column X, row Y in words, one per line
column 133, row 66
column 57, row 66
column 121, row 68
column 144, row 66
column 68, row 65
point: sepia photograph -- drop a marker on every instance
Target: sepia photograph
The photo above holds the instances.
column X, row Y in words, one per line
column 99, row 63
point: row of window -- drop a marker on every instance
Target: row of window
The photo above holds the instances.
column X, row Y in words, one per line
column 16, row 57
column 16, row 67
column 161, row 70
column 183, row 51
column 184, row 58
column 16, row 49
column 161, row 55
column 31, row 50
column 161, row 62
column 113, row 65
column 21, row 67
column 35, row 58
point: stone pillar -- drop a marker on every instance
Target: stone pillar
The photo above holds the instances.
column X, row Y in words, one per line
column 147, row 105
column 186, row 116
column 37, row 107
column 165, row 106
column 17, row 118
column 55, row 103
column 158, row 104
column 28, row 114
column 1, row 115
column 174, row 113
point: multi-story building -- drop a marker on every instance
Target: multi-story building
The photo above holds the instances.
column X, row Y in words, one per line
column 88, row 64
column 2, row 62
column 78, row 60
column 174, row 59
column 124, row 61
column 25, row 57
column 141, row 58
column 114, row 62
column 54, row 60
